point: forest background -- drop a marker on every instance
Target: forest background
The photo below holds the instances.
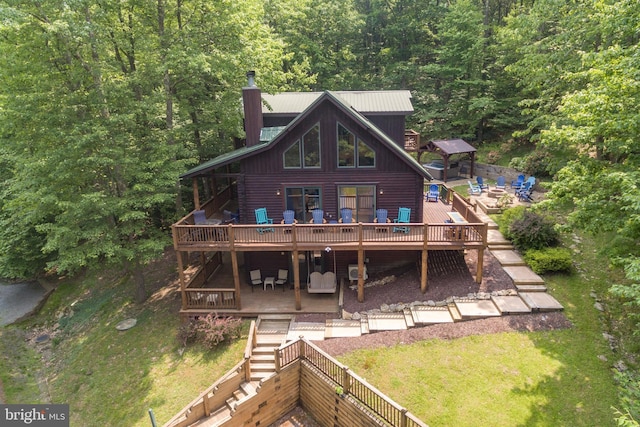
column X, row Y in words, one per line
column 103, row 104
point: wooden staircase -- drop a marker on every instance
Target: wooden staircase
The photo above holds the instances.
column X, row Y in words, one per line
column 271, row 333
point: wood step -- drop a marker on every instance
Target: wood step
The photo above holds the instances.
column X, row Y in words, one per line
column 217, row 417
column 408, row 318
column 455, row 314
column 263, row 366
column 263, row 357
column 260, row 375
column 274, row 340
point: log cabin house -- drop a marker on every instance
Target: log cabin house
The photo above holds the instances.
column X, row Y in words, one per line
column 305, row 152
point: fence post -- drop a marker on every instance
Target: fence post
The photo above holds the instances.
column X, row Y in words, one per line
column 403, row 417
column 346, row 384
column 276, row 359
column 301, row 349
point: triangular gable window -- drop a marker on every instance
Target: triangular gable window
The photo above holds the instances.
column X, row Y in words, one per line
column 352, row 151
column 304, row 153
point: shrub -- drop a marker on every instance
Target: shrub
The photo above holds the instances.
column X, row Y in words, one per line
column 548, row 260
column 532, row 231
column 508, row 217
column 210, row 330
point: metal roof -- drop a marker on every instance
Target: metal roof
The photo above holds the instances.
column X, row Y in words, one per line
column 453, row 146
column 340, row 102
column 366, row 102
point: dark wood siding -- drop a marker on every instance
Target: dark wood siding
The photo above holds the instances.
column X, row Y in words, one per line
column 264, row 175
column 393, row 126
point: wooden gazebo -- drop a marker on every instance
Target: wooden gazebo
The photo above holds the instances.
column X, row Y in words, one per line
column 446, row 148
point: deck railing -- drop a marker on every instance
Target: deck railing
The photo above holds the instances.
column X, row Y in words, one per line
column 280, row 236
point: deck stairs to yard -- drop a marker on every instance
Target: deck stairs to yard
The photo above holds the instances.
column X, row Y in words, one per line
column 271, row 333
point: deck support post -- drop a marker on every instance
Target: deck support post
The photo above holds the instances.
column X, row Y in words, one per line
column 480, row 266
column 296, row 278
column 360, row 275
column 236, row 278
column 423, row 271
column 234, row 267
column 183, row 293
column 424, row 260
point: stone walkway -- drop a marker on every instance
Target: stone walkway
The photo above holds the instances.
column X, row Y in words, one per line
column 529, row 296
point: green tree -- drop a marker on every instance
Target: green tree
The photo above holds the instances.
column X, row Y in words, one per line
column 103, row 105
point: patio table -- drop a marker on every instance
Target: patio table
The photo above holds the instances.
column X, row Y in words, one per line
column 269, row 281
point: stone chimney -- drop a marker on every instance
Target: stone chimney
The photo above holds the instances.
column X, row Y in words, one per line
column 252, row 101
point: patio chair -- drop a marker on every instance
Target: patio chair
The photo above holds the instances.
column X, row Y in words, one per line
column 262, row 219
column 500, row 183
column 318, row 216
column 481, row 183
column 517, row 183
column 433, row 194
column 289, row 217
column 283, row 278
column 382, row 216
column 474, row 188
column 256, row 278
column 346, row 215
column 524, row 195
column 526, row 186
column 199, row 217
column 404, row 215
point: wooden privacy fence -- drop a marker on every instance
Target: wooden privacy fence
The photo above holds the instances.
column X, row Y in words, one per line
column 347, row 382
column 360, row 403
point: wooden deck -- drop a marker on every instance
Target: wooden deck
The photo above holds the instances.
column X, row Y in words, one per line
column 235, row 296
column 433, row 233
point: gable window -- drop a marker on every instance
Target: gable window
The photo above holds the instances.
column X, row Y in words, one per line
column 352, row 151
column 304, row 153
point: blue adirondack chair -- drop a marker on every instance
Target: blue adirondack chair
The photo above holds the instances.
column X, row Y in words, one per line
column 199, row 217
column 404, row 215
column 474, row 188
column 433, row 194
column 481, row 183
column 382, row 215
column 318, row 216
column 347, row 215
column 500, row 183
column 262, row 219
column 289, row 217
column 526, row 186
column 518, row 182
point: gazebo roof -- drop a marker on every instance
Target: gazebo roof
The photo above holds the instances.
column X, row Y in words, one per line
column 450, row 146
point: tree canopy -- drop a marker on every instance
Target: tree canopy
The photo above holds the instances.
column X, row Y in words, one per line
column 103, row 104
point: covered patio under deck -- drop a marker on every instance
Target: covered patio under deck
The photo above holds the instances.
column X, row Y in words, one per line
column 432, row 234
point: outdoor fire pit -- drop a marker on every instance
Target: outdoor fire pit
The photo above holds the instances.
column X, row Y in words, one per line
column 496, row 193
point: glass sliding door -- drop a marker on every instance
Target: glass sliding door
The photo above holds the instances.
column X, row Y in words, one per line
column 303, row 200
column 360, row 199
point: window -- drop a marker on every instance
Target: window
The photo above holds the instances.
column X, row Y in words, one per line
column 352, row 151
column 360, row 199
column 304, row 153
column 303, row 200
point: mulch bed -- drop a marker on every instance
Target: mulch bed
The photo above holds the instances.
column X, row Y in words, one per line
column 451, row 274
